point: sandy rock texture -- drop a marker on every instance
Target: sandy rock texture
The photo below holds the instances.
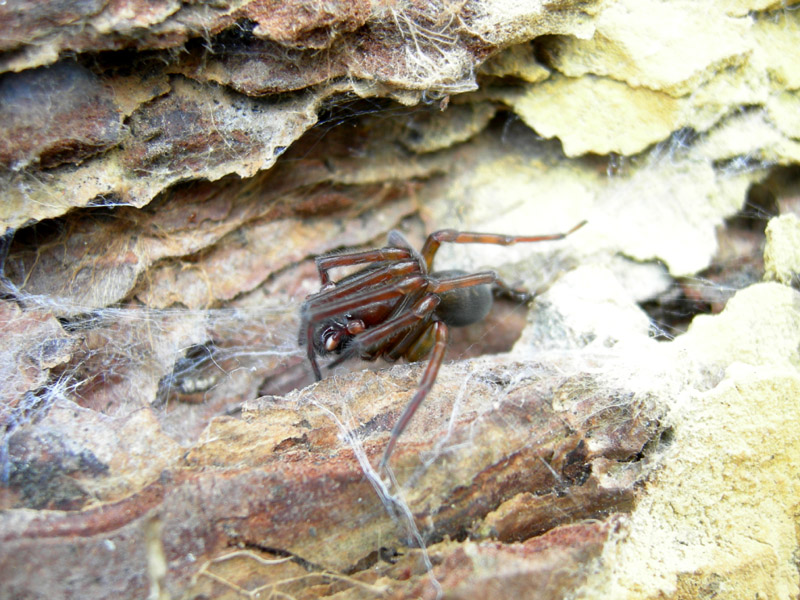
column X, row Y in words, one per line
column 168, row 172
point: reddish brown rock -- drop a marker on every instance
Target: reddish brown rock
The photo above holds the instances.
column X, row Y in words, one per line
column 57, row 114
column 282, row 483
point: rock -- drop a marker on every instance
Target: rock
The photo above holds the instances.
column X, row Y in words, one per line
column 781, row 260
column 176, row 167
column 733, row 444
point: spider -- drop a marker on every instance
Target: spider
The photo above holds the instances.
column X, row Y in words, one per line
column 396, row 306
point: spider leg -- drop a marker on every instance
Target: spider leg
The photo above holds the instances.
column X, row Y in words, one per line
column 314, row 312
column 462, row 281
column 501, row 288
column 465, row 237
column 361, row 281
column 312, row 355
column 376, row 337
column 425, row 384
column 332, row 261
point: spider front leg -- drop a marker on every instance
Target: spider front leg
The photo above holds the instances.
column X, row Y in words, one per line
column 333, row 261
column 360, row 282
column 465, row 237
column 425, row 385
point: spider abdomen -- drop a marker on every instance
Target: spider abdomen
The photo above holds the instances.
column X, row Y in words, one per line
column 463, row 306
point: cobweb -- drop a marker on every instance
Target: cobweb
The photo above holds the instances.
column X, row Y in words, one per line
column 187, row 365
column 119, row 360
column 184, row 366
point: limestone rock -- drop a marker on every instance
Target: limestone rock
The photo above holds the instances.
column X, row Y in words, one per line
column 781, row 260
column 170, row 170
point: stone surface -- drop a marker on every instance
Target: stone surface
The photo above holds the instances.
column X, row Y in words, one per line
column 56, row 114
column 586, row 307
column 649, row 210
column 721, row 514
column 611, row 116
column 781, row 259
column 169, row 171
column 644, row 44
column 285, row 478
column 215, row 90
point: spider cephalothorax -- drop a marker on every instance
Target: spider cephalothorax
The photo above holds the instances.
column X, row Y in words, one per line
column 396, row 307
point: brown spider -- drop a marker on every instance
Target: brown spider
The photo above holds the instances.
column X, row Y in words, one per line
column 395, row 306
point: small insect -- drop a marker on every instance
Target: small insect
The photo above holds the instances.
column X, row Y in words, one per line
column 396, row 306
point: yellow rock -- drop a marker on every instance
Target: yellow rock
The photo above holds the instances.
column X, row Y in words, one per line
column 782, row 254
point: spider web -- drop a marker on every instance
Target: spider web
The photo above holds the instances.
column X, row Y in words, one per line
column 187, row 365
column 178, row 363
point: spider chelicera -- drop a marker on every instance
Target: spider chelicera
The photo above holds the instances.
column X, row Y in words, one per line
column 397, row 306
